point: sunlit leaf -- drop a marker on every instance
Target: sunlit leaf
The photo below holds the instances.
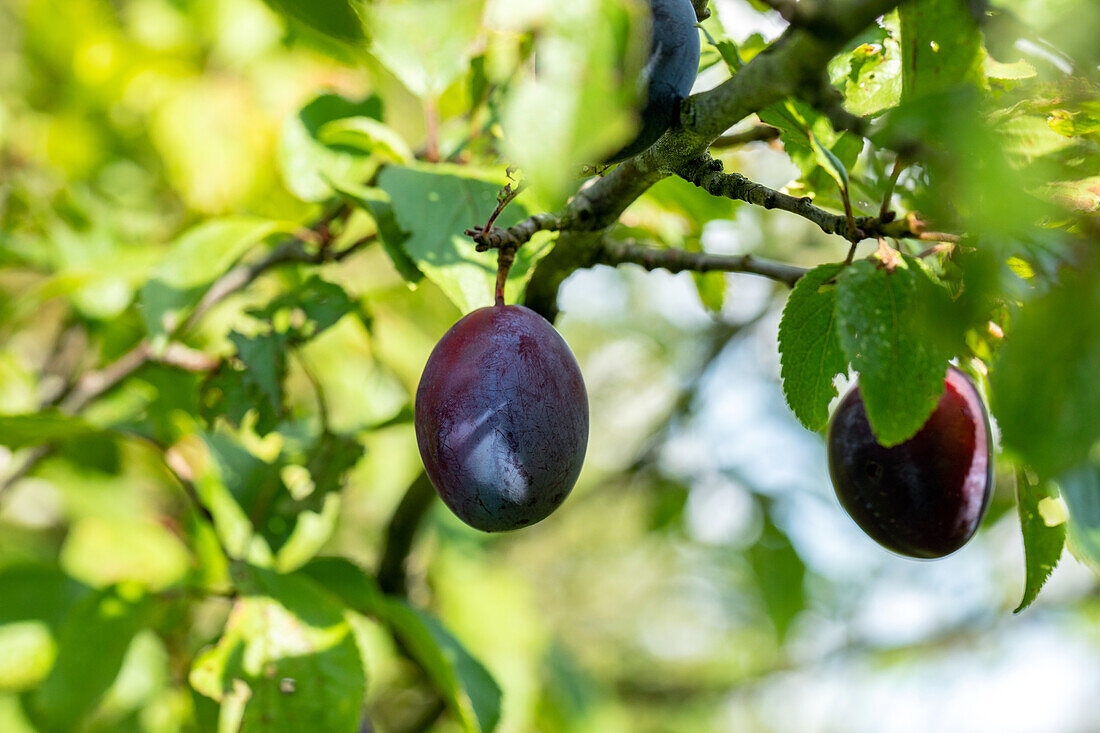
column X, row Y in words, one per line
column 310, row 165
column 941, row 46
column 809, row 348
column 469, row 690
column 335, row 18
column 377, row 203
column 91, row 644
column 101, row 552
column 193, row 261
column 1044, row 535
column 368, row 135
column 426, row 56
column 435, row 207
column 287, row 659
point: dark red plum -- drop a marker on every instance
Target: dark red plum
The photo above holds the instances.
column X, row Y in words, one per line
column 925, row 497
column 669, row 72
column 502, row 418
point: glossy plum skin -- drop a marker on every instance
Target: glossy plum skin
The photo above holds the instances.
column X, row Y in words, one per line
column 925, row 497
column 669, row 72
column 502, row 418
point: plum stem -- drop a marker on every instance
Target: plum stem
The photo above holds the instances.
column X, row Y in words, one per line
column 505, row 257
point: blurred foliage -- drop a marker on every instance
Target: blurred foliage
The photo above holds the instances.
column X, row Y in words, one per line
column 190, row 551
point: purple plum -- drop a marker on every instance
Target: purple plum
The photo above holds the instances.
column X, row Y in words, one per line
column 925, row 497
column 502, row 418
column 669, row 72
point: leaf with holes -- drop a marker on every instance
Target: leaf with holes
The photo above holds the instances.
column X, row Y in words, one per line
column 1044, row 530
column 287, row 659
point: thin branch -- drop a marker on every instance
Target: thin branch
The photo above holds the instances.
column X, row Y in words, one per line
column 94, row 384
column 678, row 260
column 706, row 173
column 184, row 357
column 792, row 63
column 30, row 460
column 514, row 236
column 702, row 12
column 895, row 173
column 288, row 252
column 756, row 133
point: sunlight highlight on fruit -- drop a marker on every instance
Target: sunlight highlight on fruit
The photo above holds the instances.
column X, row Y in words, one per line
column 502, row 418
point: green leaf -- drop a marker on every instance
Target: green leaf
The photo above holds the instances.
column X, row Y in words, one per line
column 829, row 162
column 334, row 18
column 941, row 46
column 330, row 460
column 254, row 381
column 37, row 592
column 287, row 659
column 36, row 602
column 264, row 360
column 312, row 531
column 349, row 582
column 1045, row 391
column 1016, row 71
column 368, row 135
column 779, row 573
column 193, row 261
column 91, row 645
column 307, row 309
column 27, row 653
column 590, row 55
column 811, row 142
column 309, row 165
column 435, row 207
column 427, row 44
column 884, row 326
column 376, row 202
column 102, row 551
column 48, row 426
column 1080, row 488
column 469, row 690
column 1044, row 533
column 872, row 80
column 809, row 348
column 727, row 49
column 711, row 287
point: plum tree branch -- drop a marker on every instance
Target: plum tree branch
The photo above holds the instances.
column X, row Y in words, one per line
column 791, row 65
column 679, row 260
column 756, row 133
column 515, row 236
column 706, row 173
